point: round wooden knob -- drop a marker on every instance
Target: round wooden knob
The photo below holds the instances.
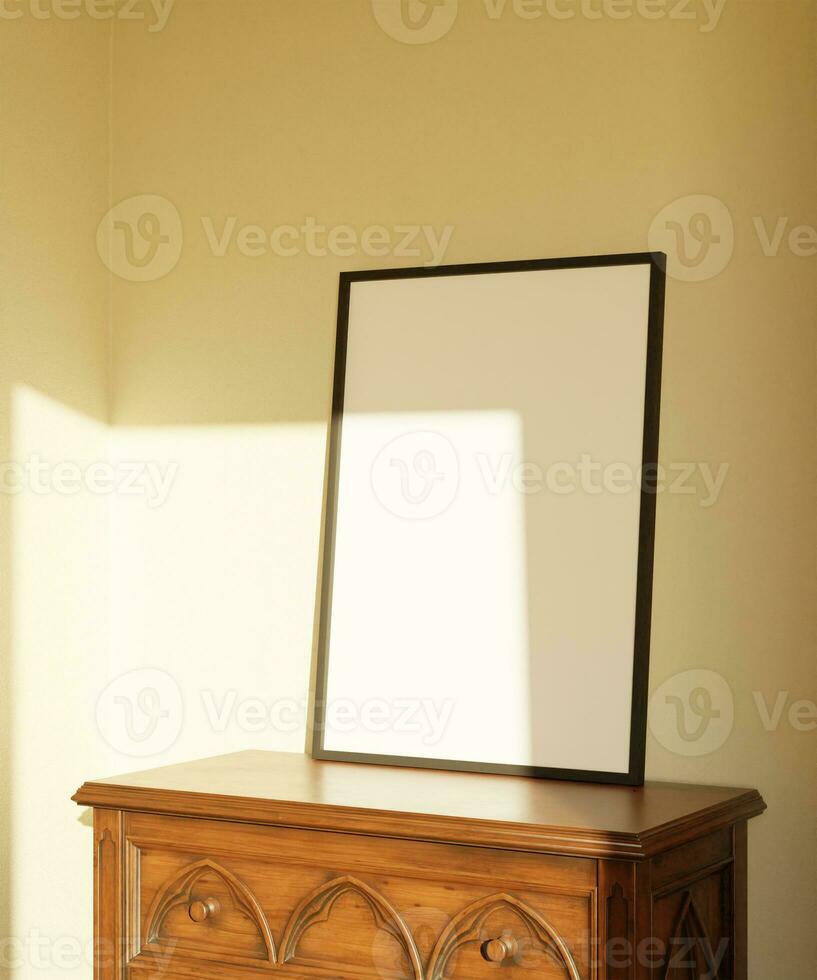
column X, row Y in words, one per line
column 500, row 950
column 199, row 911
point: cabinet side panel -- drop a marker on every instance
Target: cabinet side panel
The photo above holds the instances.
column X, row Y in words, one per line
column 696, row 909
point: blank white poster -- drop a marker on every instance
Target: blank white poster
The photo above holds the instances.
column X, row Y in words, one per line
column 487, row 520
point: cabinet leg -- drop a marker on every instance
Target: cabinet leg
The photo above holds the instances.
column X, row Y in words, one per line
column 107, row 892
column 740, row 903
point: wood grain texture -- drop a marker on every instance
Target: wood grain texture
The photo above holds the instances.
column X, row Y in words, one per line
column 258, row 863
column 617, row 920
column 108, row 892
column 510, row 925
column 691, row 949
column 317, row 909
column 486, row 810
column 740, row 897
column 641, row 967
column 206, row 892
column 692, row 928
column 381, row 917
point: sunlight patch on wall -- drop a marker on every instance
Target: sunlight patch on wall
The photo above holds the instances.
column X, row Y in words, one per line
column 430, row 586
column 213, row 564
column 59, row 593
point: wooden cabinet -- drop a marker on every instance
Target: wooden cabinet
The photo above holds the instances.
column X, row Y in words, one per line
column 260, row 863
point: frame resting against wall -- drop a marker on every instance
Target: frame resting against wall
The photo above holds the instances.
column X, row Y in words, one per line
column 490, row 515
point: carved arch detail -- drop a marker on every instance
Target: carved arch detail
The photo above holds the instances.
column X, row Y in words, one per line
column 317, row 908
column 180, row 892
column 466, row 925
column 689, row 932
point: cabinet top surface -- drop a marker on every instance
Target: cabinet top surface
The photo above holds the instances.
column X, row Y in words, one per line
column 504, row 811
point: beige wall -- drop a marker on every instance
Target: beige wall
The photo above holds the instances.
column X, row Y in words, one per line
column 531, row 138
column 528, row 137
column 53, row 387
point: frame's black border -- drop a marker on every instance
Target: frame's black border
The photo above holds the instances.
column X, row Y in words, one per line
column 646, row 533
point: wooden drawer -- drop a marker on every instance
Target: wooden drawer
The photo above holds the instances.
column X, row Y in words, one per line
column 222, row 900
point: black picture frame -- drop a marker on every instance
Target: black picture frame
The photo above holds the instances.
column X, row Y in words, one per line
column 646, row 532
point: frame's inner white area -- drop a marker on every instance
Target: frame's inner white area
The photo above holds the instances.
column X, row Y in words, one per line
column 487, row 520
